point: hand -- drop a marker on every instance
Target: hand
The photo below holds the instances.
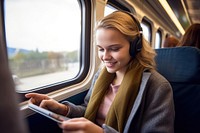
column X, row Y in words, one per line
column 80, row 125
column 36, row 98
column 46, row 102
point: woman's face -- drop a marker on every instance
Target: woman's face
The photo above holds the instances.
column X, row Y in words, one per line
column 113, row 50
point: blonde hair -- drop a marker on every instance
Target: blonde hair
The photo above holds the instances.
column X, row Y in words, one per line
column 125, row 24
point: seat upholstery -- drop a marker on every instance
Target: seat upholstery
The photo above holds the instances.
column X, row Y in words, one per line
column 181, row 67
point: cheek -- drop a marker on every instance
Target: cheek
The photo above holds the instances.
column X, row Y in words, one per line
column 122, row 56
column 100, row 55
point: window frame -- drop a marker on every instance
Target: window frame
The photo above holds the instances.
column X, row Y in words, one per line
column 120, row 5
column 85, row 46
column 159, row 32
column 145, row 21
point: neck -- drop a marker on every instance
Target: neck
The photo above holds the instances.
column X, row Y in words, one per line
column 118, row 78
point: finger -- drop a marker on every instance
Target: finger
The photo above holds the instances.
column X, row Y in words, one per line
column 74, row 124
column 36, row 96
column 47, row 104
column 71, row 126
column 80, row 119
column 50, row 104
column 29, row 95
column 31, row 100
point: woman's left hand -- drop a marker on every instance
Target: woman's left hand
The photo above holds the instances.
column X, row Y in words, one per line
column 80, row 125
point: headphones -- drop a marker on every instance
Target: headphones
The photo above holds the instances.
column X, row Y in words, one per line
column 136, row 44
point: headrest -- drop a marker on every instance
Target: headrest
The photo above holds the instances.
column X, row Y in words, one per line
column 179, row 64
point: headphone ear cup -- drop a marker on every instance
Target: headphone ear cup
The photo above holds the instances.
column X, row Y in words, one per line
column 139, row 44
column 135, row 46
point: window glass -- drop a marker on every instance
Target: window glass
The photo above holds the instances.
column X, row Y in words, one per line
column 109, row 9
column 43, row 41
column 158, row 39
column 146, row 31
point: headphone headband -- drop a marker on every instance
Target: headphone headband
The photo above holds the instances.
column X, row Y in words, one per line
column 135, row 20
column 136, row 44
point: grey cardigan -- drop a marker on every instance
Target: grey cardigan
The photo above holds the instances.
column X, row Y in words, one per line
column 152, row 112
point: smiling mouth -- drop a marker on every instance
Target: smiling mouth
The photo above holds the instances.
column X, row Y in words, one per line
column 109, row 64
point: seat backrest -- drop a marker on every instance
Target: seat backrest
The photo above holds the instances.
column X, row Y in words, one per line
column 181, row 67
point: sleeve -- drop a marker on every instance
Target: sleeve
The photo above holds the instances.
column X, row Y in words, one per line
column 108, row 129
column 79, row 110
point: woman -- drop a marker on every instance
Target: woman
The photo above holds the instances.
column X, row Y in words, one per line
column 127, row 95
column 191, row 36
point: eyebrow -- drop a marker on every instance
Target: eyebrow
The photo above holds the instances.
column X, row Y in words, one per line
column 113, row 45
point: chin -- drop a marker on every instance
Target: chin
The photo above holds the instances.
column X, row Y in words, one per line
column 111, row 70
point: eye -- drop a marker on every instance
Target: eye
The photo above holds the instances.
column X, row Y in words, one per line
column 100, row 49
column 114, row 49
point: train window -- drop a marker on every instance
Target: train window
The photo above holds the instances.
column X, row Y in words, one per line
column 43, row 41
column 146, row 27
column 158, row 39
column 109, row 9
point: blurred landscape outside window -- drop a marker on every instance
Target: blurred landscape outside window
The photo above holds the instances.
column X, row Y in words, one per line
column 43, row 41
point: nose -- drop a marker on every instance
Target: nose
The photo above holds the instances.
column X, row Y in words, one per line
column 106, row 55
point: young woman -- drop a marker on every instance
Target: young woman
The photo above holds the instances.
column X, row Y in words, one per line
column 127, row 95
column 191, row 36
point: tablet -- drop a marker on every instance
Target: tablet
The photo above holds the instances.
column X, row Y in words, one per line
column 49, row 114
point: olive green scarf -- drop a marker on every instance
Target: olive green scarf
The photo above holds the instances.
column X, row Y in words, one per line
column 124, row 99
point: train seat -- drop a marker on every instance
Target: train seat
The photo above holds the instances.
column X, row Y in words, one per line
column 181, row 67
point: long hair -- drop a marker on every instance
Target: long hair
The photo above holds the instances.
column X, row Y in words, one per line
column 125, row 24
column 191, row 36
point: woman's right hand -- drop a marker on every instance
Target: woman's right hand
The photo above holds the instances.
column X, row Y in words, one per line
column 46, row 102
column 36, row 98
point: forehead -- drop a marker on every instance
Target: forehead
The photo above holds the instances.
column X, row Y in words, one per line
column 109, row 35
